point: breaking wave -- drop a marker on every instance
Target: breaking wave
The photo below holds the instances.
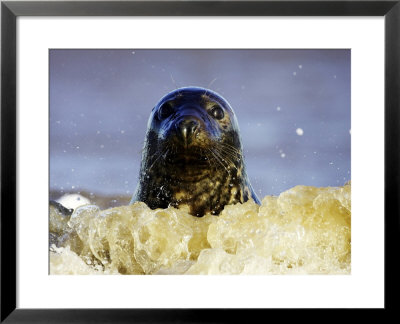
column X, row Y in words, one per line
column 305, row 230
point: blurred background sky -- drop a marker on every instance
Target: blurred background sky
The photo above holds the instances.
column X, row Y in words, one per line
column 293, row 109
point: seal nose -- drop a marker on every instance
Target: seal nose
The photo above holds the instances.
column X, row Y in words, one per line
column 187, row 128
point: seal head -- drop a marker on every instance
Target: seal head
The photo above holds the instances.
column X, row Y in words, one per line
column 192, row 155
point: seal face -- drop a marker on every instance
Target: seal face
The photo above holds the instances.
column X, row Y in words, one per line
column 192, row 154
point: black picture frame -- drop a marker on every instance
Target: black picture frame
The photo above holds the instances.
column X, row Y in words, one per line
column 10, row 10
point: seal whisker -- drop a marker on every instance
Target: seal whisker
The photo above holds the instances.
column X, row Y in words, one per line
column 163, row 153
column 210, row 84
column 230, row 149
column 229, row 152
column 231, row 156
column 231, row 163
column 223, row 149
column 215, row 158
column 227, row 157
column 156, row 154
column 235, row 149
column 219, row 159
column 173, row 81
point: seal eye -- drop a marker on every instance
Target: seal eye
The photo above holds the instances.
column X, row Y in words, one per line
column 217, row 112
column 165, row 110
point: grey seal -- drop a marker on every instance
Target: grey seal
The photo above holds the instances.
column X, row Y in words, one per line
column 192, row 155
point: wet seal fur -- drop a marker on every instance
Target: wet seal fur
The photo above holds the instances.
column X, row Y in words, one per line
column 192, row 155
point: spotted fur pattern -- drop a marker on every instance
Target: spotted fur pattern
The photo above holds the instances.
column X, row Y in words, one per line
column 204, row 176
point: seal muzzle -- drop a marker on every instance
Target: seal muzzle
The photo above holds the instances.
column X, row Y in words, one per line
column 186, row 129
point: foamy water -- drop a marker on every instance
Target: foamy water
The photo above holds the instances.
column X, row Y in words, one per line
column 305, row 230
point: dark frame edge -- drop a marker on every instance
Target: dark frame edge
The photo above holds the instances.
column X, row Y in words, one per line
column 8, row 162
column 392, row 149
column 203, row 8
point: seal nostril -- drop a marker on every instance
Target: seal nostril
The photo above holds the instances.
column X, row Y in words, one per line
column 193, row 125
column 188, row 127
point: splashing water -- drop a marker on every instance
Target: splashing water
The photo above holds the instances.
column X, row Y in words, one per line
column 306, row 230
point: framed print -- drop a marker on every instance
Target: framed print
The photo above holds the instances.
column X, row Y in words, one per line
column 224, row 149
